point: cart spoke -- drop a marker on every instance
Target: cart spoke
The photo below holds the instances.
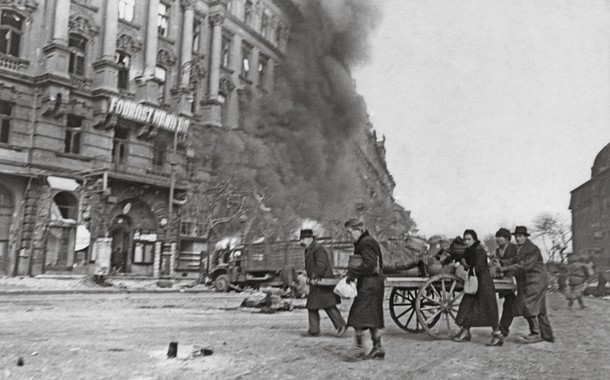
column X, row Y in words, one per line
column 453, row 284
column 435, row 291
column 409, row 319
column 403, row 313
column 431, row 300
column 427, row 321
column 398, row 293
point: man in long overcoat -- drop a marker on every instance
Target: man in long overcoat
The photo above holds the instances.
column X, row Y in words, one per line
column 318, row 266
column 506, row 252
column 367, row 309
column 528, row 269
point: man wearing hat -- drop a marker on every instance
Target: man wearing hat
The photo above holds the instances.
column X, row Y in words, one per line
column 528, row 269
column 505, row 252
column 318, row 266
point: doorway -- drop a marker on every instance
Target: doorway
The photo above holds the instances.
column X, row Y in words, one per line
column 6, row 219
column 121, row 243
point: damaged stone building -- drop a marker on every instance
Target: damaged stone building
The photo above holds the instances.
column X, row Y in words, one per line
column 99, row 100
column 590, row 207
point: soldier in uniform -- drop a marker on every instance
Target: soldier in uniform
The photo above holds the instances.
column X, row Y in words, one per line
column 318, row 266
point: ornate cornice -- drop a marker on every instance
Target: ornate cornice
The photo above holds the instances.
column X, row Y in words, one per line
column 166, row 58
column 217, row 19
column 128, row 44
column 8, row 93
column 226, row 85
column 28, row 6
column 82, row 24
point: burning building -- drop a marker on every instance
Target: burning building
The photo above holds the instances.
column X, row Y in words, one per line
column 115, row 116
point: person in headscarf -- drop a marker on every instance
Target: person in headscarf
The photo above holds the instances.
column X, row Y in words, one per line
column 480, row 309
column 366, row 312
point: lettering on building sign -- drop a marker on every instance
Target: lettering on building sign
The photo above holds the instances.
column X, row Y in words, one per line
column 140, row 113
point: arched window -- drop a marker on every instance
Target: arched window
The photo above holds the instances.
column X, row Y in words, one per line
column 67, row 205
column 10, row 32
column 123, row 60
column 161, row 76
column 126, row 9
column 78, row 49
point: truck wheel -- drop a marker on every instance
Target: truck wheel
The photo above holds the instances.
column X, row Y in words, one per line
column 222, row 283
column 287, row 276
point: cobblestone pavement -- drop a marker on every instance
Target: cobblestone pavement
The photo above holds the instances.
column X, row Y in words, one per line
column 126, row 336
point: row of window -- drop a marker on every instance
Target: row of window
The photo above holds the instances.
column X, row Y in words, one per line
column 73, row 138
column 246, row 59
column 11, row 29
column 264, row 23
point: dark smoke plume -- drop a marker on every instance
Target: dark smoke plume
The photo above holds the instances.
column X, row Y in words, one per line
column 294, row 146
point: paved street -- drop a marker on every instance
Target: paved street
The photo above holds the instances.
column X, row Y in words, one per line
column 126, row 336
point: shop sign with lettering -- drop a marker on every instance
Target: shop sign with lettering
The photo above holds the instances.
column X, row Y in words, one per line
column 141, row 113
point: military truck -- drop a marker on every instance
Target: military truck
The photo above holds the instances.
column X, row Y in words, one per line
column 268, row 263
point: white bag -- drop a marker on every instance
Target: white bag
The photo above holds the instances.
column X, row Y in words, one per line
column 345, row 290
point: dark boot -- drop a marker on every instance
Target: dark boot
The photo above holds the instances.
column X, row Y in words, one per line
column 377, row 352
column 356, row 353
column 463, row 336
column 496, row 340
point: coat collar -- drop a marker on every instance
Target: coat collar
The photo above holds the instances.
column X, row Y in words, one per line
column 312, row 247
column 364, row 234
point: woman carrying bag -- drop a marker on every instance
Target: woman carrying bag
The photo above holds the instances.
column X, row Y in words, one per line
column 366, row 312
column 481, row 308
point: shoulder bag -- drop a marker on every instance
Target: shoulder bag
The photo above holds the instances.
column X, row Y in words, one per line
column 471, row 284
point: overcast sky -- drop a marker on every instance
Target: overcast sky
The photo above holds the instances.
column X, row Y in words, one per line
column 493, row 110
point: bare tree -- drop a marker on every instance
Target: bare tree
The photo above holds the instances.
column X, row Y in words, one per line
column 555, row 233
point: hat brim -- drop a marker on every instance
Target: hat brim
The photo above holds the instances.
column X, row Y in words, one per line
column 520, row 233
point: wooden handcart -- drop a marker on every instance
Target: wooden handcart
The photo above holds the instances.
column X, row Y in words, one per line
column 429, row 304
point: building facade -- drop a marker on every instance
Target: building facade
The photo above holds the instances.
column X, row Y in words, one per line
column 98, row 102
column 590, row 207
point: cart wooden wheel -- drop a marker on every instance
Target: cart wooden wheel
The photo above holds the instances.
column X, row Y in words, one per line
column 402, row 309
column 437, row 303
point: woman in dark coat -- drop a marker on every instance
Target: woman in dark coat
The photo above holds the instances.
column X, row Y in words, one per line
column 367, row 309
column 480, row 309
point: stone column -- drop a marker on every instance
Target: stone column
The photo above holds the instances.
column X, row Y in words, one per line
column 187, row 43
column 147, row 87
column 56, row 52
column 150, row 52
column 186, row 53
column 106, row 70
column 216, row 21
column 111, row 26
column 60, row 22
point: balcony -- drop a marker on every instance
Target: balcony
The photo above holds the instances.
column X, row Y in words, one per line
column 10, row 62
column 156, row 175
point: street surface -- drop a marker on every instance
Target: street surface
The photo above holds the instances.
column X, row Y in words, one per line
column 126, row 336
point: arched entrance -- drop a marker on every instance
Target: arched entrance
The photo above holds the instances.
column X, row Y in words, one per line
column 61, row 234
column 6, row 218
column 134, row 238
column 121, row 243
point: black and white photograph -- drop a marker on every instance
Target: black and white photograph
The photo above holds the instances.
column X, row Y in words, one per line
column 304, row 189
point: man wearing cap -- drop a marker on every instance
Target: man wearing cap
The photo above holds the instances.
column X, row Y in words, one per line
column 505, row 252
column 318, row 266
column 528, row 269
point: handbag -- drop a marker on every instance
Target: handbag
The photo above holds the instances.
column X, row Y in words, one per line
column 471, row 284
column 344, row 289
